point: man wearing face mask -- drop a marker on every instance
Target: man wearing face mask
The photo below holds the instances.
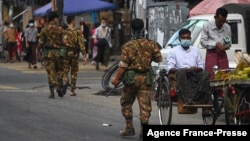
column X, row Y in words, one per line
column 102, row 38
column 186, row 71
column 213, row 39
column 184, row 55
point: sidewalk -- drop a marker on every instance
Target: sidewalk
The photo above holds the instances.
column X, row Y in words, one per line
column 24, row 65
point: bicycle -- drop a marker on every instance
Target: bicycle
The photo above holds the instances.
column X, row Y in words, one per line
column 165, row 95
column 107, row 80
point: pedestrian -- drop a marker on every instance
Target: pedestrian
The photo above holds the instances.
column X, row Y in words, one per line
column 213, row 38
column 19, row 44
column 41, row 24
column 93, row 46
column 31, row 44
column 102, row 39
column 186, row 67
column 51, row 40
column 10, row 37
column 73, row 39
column 86, row 33
column 135, row 66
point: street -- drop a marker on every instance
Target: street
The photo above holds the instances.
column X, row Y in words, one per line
column 26, row 113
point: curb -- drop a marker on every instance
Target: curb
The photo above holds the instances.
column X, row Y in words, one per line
column 23, row 65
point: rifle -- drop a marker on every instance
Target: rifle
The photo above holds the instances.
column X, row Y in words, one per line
column 110, row 91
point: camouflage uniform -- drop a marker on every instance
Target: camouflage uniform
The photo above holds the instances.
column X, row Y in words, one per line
column 51, row 38
column 73, row 39
column 137, row 55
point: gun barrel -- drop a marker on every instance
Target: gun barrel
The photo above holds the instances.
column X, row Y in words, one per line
column 110, row 92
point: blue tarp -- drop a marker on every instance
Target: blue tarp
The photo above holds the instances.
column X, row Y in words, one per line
column 42, row 11
column 75, row 7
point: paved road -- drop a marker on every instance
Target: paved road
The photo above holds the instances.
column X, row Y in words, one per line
column 26, row 114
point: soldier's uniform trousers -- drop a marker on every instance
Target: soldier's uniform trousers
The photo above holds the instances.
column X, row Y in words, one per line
column 142, row 92
column 71, row 64
column 54, row 67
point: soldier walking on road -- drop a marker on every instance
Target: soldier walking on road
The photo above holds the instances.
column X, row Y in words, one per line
column 51, row 39
column 73, row 39
column 136, row 70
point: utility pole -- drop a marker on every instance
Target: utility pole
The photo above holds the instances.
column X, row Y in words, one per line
column 1, row 10
column 59, row 9
column 53, row 5
column 1, row 27
column 57, row 6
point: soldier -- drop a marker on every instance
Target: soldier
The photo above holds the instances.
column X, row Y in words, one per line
column 51, row 40
column 73, row 39
column 135, row 68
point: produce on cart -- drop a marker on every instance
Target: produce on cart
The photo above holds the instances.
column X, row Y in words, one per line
column 235, row 85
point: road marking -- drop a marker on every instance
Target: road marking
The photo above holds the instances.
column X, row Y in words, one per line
column 91, row 78
column 18, row 90
column 36, row 72
column 8, row 87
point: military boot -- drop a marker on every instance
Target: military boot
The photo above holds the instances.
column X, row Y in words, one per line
column 141, row 133
column 64, row 89
column 129, row 130
column 59, row 88
column 52, row 94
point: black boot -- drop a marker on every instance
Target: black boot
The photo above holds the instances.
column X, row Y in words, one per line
column 52, row 94
column 59, row 88
column 141, row 134
column 64, row 89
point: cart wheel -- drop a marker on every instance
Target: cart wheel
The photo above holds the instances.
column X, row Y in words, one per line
column 209, row 120
column 229, row 112
column 164, row 103
column 243, row 112
column 212, row 117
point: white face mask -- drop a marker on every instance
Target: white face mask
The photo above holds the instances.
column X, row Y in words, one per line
column 103, row 25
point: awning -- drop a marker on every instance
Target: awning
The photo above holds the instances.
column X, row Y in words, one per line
column 210, row 6
column 75, row 7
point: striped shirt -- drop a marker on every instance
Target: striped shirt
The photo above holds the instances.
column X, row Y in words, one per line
column 31, row 34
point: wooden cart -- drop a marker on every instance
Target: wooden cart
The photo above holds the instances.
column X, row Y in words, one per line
column 236, row 100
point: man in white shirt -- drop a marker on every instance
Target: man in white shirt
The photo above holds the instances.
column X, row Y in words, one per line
column 213, row 39
column 186, row 71
column 184, row 55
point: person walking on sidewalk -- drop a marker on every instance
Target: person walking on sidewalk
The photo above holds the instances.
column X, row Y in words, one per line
column 10, row 36
column 73, row 39
column 51, row 39
column 136, row 71
column 102, row 38
column 31, row 44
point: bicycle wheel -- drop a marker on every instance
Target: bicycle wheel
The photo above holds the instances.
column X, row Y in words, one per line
column 228, row 108
column 106, row 76
column 107, row 79
column 243, row 112
column 164, row 103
